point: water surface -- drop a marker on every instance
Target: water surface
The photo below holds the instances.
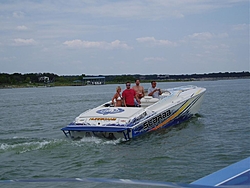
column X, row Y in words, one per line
column 33, row 146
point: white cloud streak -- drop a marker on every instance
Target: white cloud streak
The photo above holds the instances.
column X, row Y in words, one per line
column 154, row 59
column 241, row 27
column 96, row 44
column 18, row 14
column 207, row 35
column 24, row 42
column 153, row 41
column 21, row 28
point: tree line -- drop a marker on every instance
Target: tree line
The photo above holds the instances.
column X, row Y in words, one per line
column 35, row 78
column 165, row 77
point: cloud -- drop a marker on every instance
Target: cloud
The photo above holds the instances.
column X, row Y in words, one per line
column 201, row 36
column 240, row 27
column 207, row 36
column 153, row 41
column 24, row 42
column 7, row 58
column 21, row 28
column 216, row 46
column 154, row 59
column 96, row 44
column 146, row 39
column 18, row 14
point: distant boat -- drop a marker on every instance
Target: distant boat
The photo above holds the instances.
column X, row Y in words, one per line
column 173, row 107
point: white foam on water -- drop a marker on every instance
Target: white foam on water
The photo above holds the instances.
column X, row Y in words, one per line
column 95, row 140
column 27, row 146
column 4, row 146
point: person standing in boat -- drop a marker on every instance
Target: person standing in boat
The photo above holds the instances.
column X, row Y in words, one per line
column 139, row 89
column 129, row 95
column 117, row 98
column 154, row 91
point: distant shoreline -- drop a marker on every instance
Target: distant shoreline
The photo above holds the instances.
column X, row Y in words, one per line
column 42, row 85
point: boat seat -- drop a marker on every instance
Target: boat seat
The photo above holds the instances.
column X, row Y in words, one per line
column 148, row 100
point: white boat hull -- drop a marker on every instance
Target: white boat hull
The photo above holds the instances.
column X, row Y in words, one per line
column 175, row 106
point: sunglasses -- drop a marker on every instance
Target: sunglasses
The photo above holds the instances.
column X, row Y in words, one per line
column 128, row 85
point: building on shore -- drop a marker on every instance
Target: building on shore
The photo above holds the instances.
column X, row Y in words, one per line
column 100, row 80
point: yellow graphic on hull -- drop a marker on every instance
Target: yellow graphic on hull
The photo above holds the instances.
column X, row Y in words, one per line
column 174, row 115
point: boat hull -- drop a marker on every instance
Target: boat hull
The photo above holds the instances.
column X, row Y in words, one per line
column 170, row 116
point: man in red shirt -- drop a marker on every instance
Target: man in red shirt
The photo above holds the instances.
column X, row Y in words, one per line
column 128, row 96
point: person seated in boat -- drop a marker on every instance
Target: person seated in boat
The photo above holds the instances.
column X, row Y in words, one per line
column 154, row 91
column 117, row 98
column 129, row 95
column 139, row 89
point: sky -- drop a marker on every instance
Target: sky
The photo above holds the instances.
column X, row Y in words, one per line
column 117, row 37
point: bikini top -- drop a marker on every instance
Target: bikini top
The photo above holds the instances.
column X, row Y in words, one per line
column 119, row 97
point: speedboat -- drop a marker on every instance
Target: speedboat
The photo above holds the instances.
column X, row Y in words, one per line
column 174, row 106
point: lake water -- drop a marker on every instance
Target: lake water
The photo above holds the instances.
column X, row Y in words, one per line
column 33, row 146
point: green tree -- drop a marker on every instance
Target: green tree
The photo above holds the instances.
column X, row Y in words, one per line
column 27, row 80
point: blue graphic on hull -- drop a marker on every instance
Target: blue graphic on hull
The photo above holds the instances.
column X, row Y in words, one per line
column 106, row 111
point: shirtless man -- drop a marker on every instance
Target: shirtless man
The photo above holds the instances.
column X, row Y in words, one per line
column 138, row 89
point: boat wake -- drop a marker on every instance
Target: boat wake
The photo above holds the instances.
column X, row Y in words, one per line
column 23, row 145
column 96, row 140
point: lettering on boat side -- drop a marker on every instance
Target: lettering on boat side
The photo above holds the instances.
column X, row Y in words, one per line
column 106, row 111
column 156, row 120
column 105, row 119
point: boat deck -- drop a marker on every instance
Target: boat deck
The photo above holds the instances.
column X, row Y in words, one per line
column 235, row 174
